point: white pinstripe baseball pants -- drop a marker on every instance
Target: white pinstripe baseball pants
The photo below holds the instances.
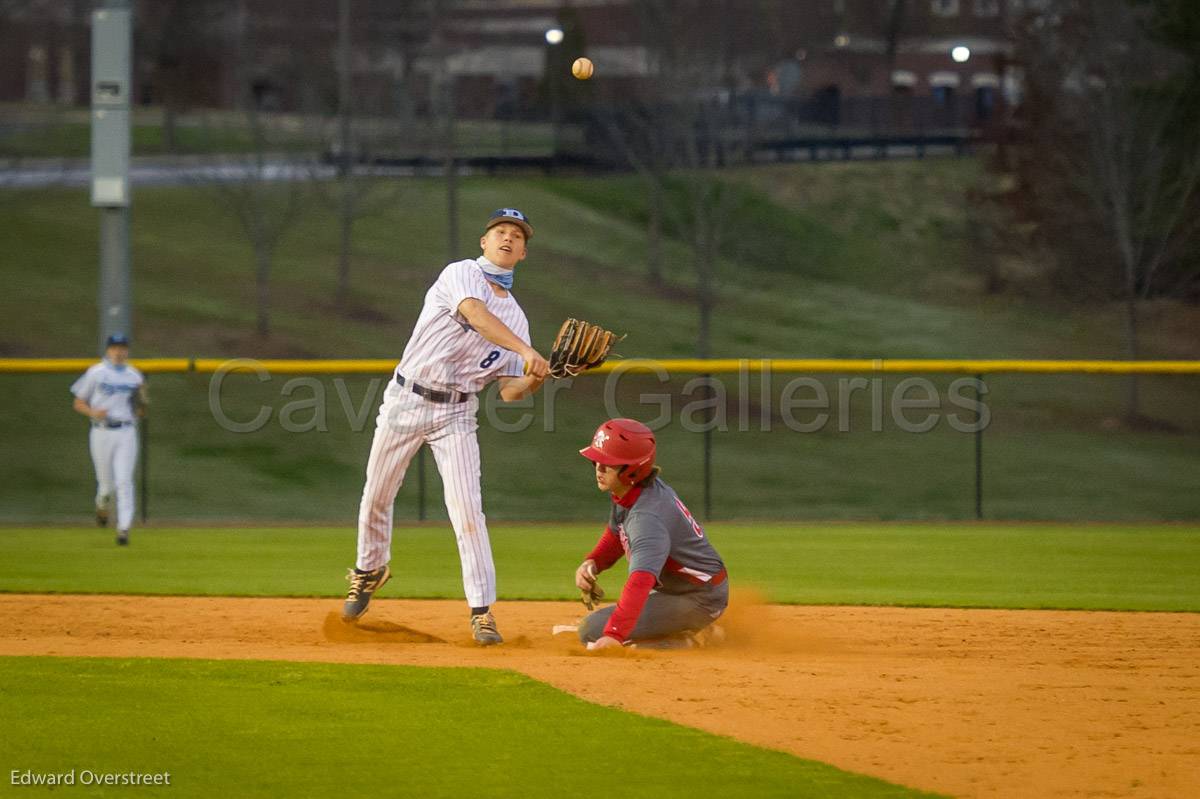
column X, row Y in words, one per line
column 405, row 422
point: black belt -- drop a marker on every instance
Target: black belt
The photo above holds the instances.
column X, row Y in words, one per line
column 112, row 425
column 431, row 394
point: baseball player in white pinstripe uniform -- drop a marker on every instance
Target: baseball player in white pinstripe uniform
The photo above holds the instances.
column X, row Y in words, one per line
column 471, row 331
column 111, row 394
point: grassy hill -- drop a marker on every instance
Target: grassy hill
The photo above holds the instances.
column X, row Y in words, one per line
column 830, row 260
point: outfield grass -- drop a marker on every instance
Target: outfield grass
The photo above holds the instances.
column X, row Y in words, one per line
column 858, row 274
column 74, row 140
column 227, row 133
column 1093, row 567
column 306, row 729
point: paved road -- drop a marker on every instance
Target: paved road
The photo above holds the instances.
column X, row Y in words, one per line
column 160, row 172
column 167, row 171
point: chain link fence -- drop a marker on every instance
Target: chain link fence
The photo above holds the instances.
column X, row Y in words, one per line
column 749, row 443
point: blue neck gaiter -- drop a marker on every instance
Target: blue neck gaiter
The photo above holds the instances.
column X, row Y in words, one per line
column 501, row 277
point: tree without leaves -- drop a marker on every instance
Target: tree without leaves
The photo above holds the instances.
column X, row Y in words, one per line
column 564, row 97
column 1110, row 166
column 445, row 113
column 348, row 198
column 177, row 38
column 894, row 19
column 267, row 202
column 895, row 15
column 360, row 188
column 28, row 134
column 674, row 128
column 260, row 187
column 1175, row 24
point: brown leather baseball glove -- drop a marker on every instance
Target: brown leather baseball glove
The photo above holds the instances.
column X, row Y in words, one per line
column 579, row 346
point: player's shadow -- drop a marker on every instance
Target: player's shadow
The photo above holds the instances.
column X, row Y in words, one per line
column 373, row 632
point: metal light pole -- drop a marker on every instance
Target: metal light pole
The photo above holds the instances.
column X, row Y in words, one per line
column 112, row 44
column 554, row 38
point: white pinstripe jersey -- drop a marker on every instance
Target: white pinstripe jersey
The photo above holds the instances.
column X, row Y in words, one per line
column 444, row 352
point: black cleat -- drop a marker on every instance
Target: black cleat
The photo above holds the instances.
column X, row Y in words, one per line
column 483, row 627
column 102, row 517
column 362, row 586
column 123, row 538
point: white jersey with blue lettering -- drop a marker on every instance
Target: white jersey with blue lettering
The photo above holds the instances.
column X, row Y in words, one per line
column 110, row 388
column 113, row 441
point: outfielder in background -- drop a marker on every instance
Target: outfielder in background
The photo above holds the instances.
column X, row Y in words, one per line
column 471, row 331
column 112, row 394
column 677, row 585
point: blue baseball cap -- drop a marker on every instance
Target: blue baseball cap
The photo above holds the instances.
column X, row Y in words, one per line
column 117, row 340
column 513, row 216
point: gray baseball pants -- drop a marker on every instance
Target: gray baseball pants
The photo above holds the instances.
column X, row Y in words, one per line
column 664, row 614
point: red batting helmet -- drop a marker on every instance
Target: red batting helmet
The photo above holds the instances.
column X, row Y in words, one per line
column 623, row 442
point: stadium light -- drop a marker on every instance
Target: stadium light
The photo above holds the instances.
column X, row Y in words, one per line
column 960, row 54
column 554, row 36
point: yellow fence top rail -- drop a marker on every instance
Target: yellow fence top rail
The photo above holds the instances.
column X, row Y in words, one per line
column 295, row 367
column 903, row 365
column 72, row 365
column 632, row 365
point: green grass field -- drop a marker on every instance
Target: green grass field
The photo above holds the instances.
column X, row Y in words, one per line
column 832, row 260
column 286, row 729
column 66, row 133
column 1116, row 567
column 859, row 273
column 292, row 729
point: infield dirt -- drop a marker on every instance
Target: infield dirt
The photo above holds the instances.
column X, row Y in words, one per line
column 978, row 703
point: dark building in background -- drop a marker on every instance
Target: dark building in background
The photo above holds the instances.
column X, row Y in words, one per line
column 948, row 57
column 839, row 62
column 45, row 51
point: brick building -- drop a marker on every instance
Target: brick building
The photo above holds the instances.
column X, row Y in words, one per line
column 947, row 58
column 44, row 51
column 839, row 62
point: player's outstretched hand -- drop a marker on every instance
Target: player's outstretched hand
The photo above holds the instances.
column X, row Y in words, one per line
column 536, row 365
column 590, row 594
column 605, row 643
column 585, row 575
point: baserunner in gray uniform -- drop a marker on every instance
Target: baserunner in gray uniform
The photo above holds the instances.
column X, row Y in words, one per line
column 677, row 582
